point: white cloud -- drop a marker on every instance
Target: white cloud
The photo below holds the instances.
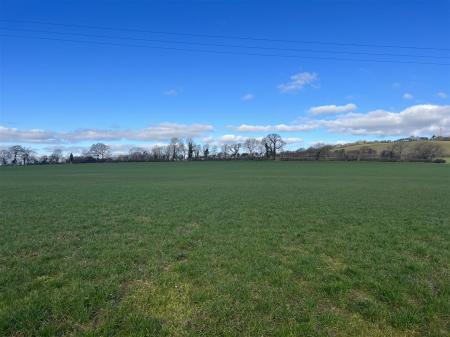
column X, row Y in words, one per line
column 114, row 148
column 341, row 142
column 396, row 85
column 442, row 95
column 332, row 109
column 207, row 139
column 232, row 138
column 292, row 140
column 171, row 92
column 248, row 97
column 298, row 81
column 229, row 139
column 424, row 119
column 253, row 128
column 162, row 131
column 278, row 127
column 29, row 136
column 408, row 96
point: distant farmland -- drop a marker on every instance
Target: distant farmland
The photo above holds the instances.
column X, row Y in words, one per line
column 379, row 146
column 225, row 249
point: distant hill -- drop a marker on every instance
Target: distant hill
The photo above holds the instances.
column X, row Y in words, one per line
column 380, row 146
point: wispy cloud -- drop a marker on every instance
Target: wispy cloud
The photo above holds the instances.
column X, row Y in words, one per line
column 171, row 92
column 248, row 97
column 408, row 96
column 298, row 81
column 442, row 95
column 332, row 109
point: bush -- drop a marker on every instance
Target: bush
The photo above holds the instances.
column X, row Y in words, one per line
column 425, row 151
column 439, row 161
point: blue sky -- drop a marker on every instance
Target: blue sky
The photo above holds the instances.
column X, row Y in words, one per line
column 125, row 90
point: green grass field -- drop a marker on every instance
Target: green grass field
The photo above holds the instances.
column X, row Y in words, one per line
column 225, row 249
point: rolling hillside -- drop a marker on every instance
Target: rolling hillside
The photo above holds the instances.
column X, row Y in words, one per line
column 378, row 146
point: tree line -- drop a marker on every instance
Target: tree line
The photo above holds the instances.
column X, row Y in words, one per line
column 178, row 149
column 267, row 148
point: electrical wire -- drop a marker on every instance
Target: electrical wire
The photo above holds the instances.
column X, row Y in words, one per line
column 227, row 52
column 226, row 36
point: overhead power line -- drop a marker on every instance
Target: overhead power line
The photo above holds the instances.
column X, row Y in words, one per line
column 225, row 52
column 223, row 45
column 228, row 36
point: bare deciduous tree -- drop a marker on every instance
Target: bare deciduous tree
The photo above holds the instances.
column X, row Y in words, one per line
column 157, row 152
column 213, row 151
column 261, row 148
column 181, row 149
column 191, row 145
column 15, row 150
column 56, row 156
column 99, row 150
column 251, row 144
column 398, row 149
column 174, row 148
column 224, row 149
column 234, row 149
column 273, row 142
column 426, row 151
column 137, row 153
column 26, row 155
column 206, row 151
column 43, row 159
column 197, row 150
column 5, row 157
column 167, row 152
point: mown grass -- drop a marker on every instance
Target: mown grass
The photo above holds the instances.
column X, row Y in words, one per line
column 225, row 249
